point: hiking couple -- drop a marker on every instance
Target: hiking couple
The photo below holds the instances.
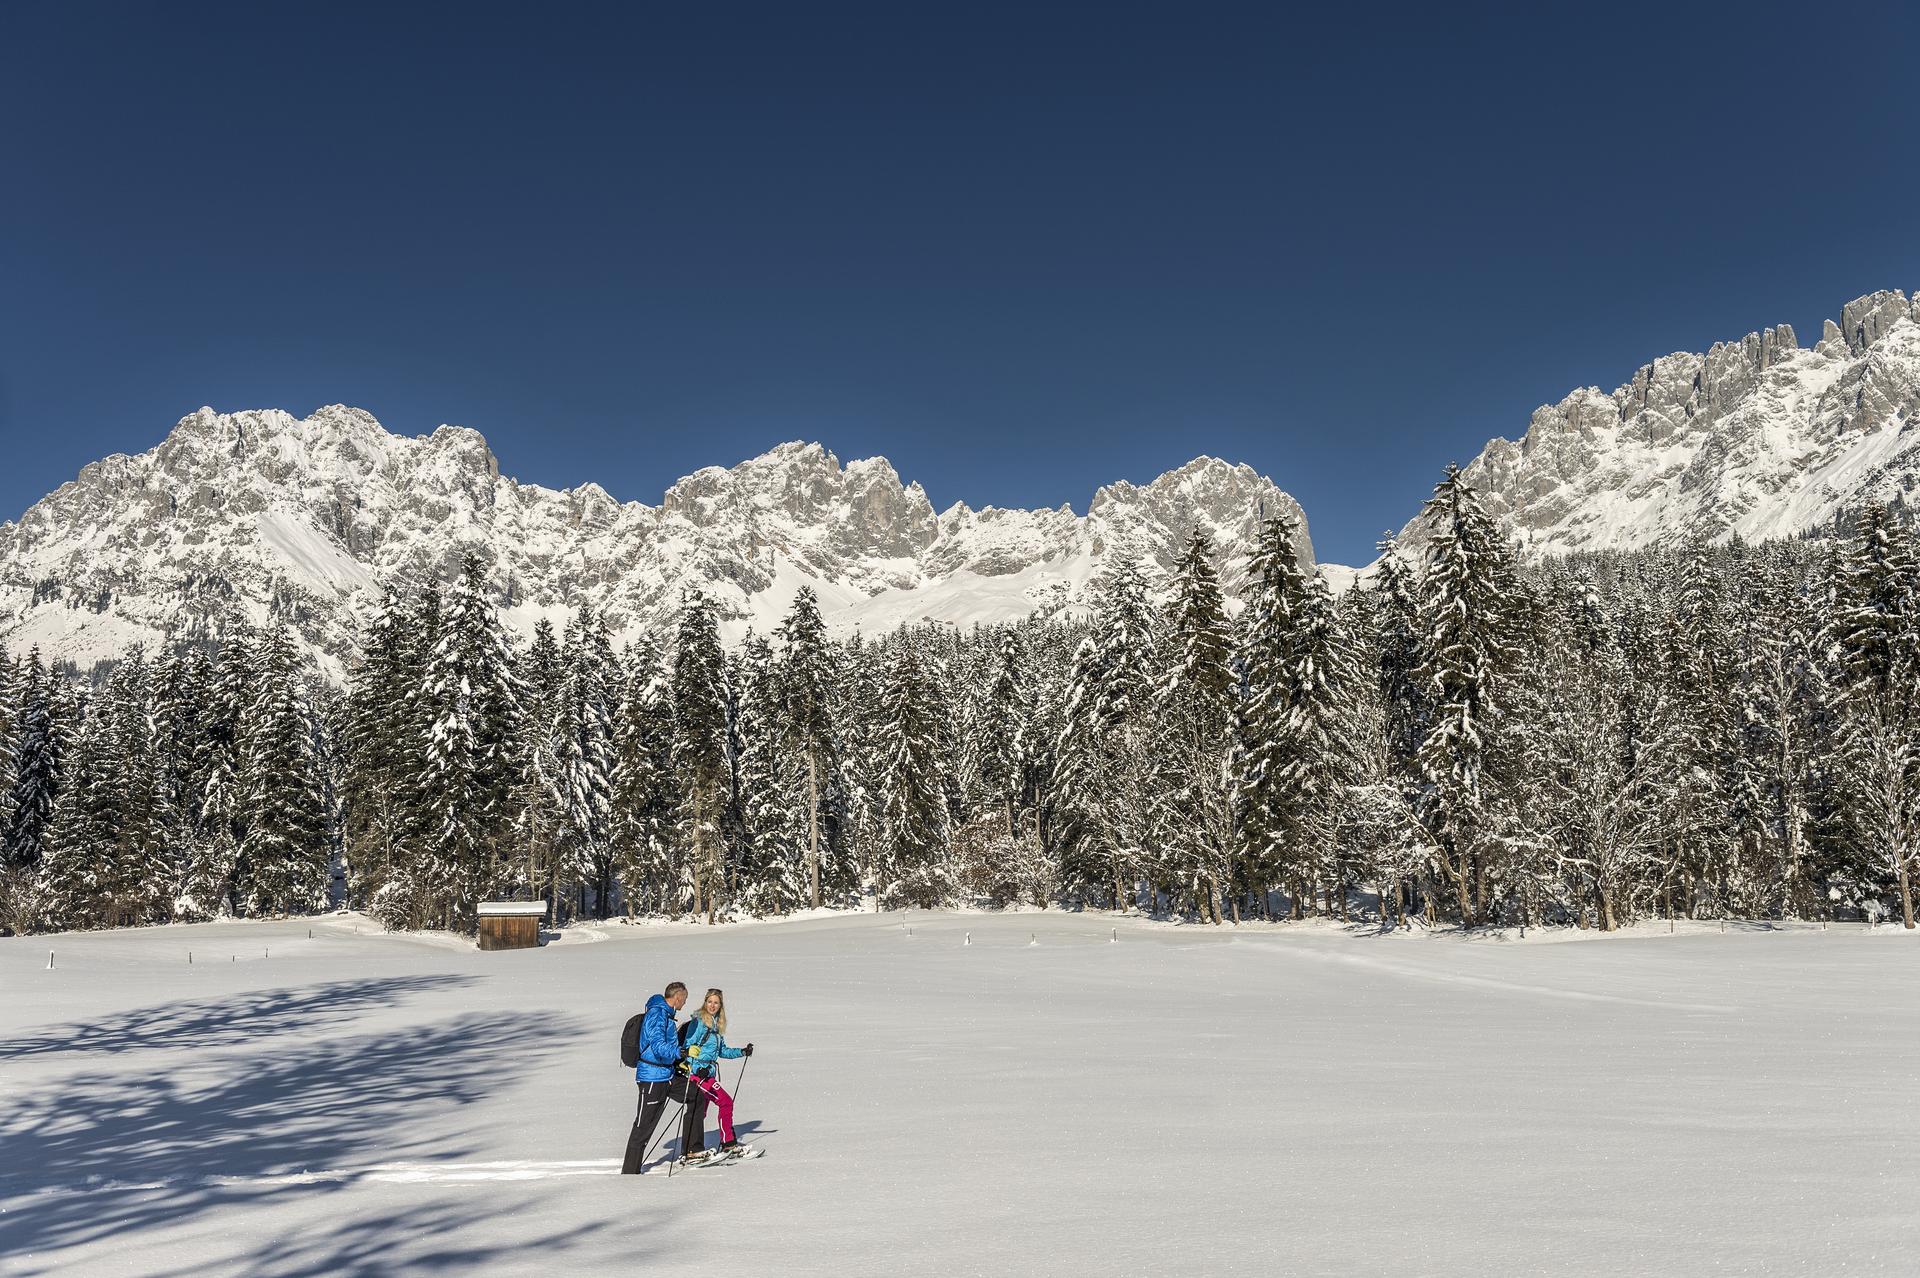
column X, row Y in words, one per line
column 681, row 1063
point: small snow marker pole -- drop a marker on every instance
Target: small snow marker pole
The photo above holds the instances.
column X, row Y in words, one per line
column 189, row 958
column 968, row 941
column 1115, row 938
column 49, row 960
column 1032, row 939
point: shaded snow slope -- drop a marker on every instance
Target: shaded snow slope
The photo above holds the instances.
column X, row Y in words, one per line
column 1184, row 1101
column 254, row 516
column 1756, row 438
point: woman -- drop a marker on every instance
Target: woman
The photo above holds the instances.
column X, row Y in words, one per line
column 706, row 1048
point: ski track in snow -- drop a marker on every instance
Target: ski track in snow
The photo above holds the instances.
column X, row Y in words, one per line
column 1467, row 980
column 383, row 1173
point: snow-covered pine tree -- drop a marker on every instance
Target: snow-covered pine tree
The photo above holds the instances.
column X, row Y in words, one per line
column 700, row 731
column 859, row 708
column 1276, row 599
column 1082, row 778
column 34, row 781
column 75, row 866
column 1002, row 731
column 1466, row 648
column 212, row 855
column 774, row 789
column 917, row 849
column 643, row 799
column 141, row 866
column 539, row 798
column 1875, row 637
column 1403, row 854
column 1314, row 762
column 474, row 699
column 1196, row 701
column 585, row 734
column 1689, row 767
column 284, row 854
column 183, row 717
column 384, row 759
column 1131, row 811
column 806, row 682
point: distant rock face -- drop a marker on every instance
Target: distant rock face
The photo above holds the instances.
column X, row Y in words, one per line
column 248, row 517
column 1756, row 438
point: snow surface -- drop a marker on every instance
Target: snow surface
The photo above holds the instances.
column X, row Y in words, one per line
column 1183, row 1100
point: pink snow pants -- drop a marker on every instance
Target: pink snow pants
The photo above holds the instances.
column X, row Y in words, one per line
column 710, row 1087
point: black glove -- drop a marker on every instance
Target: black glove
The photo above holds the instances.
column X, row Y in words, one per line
column 747, row 1050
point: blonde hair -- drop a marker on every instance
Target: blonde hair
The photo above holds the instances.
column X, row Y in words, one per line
column 718, row 1020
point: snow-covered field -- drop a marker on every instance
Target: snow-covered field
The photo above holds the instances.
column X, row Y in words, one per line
column 1182, row 1101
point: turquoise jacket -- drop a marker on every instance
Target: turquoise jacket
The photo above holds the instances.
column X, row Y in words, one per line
column 707, row 1047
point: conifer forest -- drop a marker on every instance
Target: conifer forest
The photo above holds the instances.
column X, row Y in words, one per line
column 1466, row 737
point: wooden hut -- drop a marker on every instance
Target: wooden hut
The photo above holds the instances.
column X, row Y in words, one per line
column 511, row 925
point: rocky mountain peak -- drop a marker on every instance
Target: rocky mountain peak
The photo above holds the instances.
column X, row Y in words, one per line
column 1757, row 437
column 257, row 517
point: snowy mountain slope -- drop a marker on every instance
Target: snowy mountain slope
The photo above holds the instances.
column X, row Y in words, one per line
column 252, row 516
column 1756, row 438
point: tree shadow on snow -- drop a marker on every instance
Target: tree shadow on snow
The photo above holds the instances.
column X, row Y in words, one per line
column 102, row 1154
column 223, row 1022
column 423, row 1238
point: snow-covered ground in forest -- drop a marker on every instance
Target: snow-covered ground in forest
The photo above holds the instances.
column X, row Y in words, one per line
column 1042, row 1100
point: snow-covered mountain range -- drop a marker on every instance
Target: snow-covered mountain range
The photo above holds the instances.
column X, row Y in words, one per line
column 1756, row 438
column 251, row 516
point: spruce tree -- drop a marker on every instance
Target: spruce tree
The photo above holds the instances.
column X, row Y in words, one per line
column 1465, row 621
column 475, row 720
column 805, row 681
column 1875, row 637
column 1197, row 702
column 918, row 869
column 539, row 799
column 1277, row 590
column 36, row 768
column 284, row 854
column 774, row 790
column 586, row 758
column 700, row 761
column 642, row 780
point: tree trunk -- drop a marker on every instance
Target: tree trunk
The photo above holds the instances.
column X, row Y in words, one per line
column 1906, row 888
column 813, row 828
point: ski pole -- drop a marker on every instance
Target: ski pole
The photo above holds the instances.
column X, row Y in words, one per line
column 648, row 1154
column 740, row 1079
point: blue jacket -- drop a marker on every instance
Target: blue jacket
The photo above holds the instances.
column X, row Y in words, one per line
column 707, row 1047
column 659, row 1041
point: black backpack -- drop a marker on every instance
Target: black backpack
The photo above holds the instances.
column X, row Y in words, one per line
column 630, row 1042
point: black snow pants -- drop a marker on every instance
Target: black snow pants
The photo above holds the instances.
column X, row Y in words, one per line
column 653, row 1103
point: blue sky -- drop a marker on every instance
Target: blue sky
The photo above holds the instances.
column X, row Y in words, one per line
column 1021, row 250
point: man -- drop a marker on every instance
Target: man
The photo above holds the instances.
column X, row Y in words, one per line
column 661, row 1080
